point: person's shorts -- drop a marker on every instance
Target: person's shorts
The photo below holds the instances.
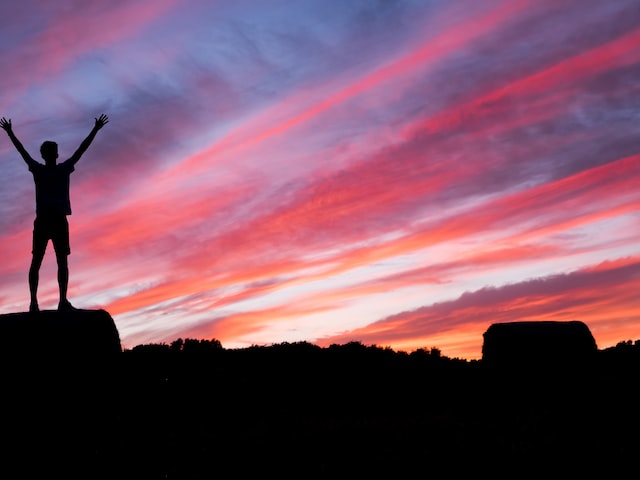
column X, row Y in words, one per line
column 54, row 228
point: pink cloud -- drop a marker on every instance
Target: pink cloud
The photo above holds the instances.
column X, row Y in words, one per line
column 424, row 146
column 600, row 297
column 59, row 43
column 567, row 74
column 262, row 127
column 538, row 211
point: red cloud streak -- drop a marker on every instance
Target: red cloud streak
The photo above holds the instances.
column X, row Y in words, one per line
column 555, row 206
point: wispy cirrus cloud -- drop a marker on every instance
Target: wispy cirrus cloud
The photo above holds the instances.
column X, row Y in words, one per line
column 562, row 297
column 275, row 173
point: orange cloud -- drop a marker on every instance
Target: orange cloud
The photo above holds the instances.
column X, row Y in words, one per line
column 600, row 297
column 529, row 214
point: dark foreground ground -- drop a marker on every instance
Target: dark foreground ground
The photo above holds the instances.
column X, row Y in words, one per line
column 196, row 410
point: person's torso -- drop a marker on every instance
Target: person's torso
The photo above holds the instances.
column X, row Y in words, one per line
column 52, row 187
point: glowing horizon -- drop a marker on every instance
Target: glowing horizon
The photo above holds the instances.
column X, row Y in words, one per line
column 396, row 173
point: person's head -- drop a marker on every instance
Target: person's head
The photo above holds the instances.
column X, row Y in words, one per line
column 49, row 152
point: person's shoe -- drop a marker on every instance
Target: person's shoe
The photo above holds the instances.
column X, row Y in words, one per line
column 65, row 306
column 34, row 308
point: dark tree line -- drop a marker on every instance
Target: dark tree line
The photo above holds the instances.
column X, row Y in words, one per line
column 193, row 409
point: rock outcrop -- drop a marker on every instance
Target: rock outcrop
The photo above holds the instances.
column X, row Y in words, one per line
column 59, row 374
column 538, row 343
column 82, row 335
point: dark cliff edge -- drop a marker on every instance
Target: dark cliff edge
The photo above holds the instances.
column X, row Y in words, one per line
column 59, row 378
column 57, row 355
column 52, row 334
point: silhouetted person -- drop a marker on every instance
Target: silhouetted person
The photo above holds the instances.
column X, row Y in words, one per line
column 52, row 207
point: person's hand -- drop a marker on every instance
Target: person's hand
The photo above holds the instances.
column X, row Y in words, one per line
column 5, row 124
column 101, row 121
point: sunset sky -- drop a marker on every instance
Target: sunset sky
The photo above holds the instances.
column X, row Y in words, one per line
column 395, row 172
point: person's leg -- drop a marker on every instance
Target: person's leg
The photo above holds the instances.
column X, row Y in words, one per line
column 34, row 278
column 63, row 281
column 60, row 241
column 38, row 248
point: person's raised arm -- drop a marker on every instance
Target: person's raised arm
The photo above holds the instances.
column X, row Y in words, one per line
column 101, row 121
column 6, row 126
